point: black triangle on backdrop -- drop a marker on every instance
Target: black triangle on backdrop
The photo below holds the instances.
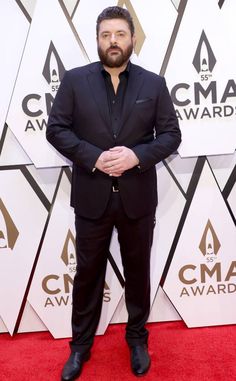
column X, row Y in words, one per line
column 221, row 3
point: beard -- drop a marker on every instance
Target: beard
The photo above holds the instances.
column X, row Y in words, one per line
column 115, row 60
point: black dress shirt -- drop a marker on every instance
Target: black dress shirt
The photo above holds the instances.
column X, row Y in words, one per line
column 116, row 100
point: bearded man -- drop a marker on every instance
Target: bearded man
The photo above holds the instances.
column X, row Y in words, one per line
column 114, row 120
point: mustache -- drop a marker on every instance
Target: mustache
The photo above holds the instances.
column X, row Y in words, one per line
column 112, row 47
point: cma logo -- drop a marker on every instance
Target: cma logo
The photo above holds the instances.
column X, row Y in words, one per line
column 54, row 284
column 53, row 72
column 211, row 278
column 204, row 60
column 59, row 287
column 68, row 255
column 8, row 230
column 209, row 245
column 201, row 99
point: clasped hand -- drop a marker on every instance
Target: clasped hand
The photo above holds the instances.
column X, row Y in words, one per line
column 116, row 161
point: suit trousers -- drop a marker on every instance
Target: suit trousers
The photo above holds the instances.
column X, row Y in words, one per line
column 93, row 238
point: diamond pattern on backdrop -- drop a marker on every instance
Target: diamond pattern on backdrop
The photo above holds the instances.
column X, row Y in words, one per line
column 35, row 89
column 200, row 281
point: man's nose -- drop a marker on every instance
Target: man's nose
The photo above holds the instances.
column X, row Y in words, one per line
column 113, row 38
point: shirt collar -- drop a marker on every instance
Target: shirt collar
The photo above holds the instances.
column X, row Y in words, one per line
column 125, row 72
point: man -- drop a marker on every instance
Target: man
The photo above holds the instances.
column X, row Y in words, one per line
column 114, row 121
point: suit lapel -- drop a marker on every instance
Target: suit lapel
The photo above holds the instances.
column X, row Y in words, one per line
column 99, row 93
column 98, row 90
column 134, row 85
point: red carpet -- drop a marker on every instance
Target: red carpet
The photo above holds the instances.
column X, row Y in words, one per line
column 178, row 354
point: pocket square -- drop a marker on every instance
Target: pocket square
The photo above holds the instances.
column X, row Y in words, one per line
column 138, row 101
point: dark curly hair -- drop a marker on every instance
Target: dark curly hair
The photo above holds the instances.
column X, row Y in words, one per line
column 115, row 13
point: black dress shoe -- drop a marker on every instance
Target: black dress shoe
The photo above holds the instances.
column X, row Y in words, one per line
column 73, row 366
column 140, row 359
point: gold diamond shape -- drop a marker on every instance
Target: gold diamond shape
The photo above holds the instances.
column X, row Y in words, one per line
column 209, row 243
column 138, row 28
column 8, row 230
column 68, row 253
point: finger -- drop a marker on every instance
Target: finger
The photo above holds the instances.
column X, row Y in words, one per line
column 112, row 163
column 116, row 174
column 115, row 155
column 108, row 167
column 116, row 149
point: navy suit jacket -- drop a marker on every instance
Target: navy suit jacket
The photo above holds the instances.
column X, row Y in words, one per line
column 79, row 128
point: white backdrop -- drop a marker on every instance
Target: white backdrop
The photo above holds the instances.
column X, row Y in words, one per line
column 193, row 263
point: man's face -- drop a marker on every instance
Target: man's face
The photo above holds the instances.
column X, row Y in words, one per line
column 115, row 43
